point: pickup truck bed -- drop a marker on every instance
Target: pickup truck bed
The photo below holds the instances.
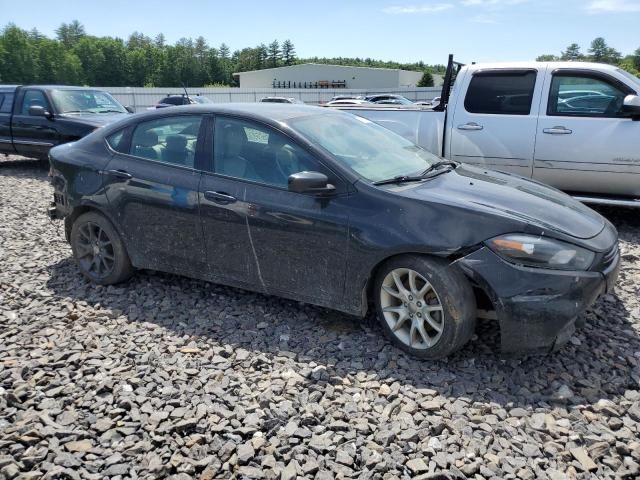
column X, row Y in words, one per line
column 571, row 125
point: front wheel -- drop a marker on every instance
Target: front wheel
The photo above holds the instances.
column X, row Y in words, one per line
column 426, row 306
column 98, row 250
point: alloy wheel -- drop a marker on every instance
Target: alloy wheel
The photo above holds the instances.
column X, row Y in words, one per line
column 95, row 250
column 412, row 309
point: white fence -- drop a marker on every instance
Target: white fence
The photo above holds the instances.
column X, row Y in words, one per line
column 141, row 98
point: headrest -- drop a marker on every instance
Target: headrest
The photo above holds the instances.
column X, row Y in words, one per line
column 147, row 139
column 276, row 141
column 176, row 142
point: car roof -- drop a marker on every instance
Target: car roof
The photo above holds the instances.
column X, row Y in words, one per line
column 259, row 111
column 62, row 87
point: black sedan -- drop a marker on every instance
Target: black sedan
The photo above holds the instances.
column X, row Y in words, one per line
column 325, row 207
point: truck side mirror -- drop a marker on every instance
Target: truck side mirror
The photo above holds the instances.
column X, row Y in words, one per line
column 129, row 109
column 39, row 111
column 631, row 106
column 310, row 182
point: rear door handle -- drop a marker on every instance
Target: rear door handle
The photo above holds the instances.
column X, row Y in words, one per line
column 470, row 126
column 219, row 197
column 119, row 174
column 558, row 130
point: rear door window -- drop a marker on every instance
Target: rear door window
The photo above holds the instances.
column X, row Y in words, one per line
column 168, row 140
column 501, row 92
column 7, row 104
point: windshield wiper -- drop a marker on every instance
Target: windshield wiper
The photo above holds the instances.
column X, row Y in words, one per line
column 433, row 171
column 110, row 111
column 442, row 163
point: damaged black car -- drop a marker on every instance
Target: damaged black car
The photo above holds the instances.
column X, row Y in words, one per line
column 331, row 209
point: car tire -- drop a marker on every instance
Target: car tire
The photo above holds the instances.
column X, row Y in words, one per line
column 425, row 305
column 99, row 251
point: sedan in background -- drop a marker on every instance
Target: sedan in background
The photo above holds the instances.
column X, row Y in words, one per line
column 388, row 99
column 173, row 100
column 325, row 207
column 347, row 101
column 281, row 100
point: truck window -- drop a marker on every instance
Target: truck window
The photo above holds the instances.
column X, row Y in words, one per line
column 584, row 96
column 501, row 92
column 32, row 98
column 6, row 102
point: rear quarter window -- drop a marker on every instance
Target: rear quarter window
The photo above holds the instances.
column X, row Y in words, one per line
column 501, row 93
column 116, row 141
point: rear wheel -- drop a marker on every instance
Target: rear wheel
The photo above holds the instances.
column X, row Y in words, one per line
column 426, row 306
column 99, row 251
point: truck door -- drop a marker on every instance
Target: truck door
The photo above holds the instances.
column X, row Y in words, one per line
column 33, row 136
column 494, row 123
column 585, row 142
column 6, row 104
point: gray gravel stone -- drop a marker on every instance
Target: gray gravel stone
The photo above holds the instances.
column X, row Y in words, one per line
column 168, row 377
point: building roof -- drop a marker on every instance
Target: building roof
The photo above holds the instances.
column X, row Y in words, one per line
column 298, row 65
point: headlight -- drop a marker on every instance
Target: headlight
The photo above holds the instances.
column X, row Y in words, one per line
column 541, row 252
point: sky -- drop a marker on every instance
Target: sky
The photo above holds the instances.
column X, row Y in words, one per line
column 400, row 30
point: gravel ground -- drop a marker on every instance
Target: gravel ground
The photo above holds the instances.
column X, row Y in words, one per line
column 167, row 377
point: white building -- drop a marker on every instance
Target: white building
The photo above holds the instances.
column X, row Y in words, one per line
column 314, row 75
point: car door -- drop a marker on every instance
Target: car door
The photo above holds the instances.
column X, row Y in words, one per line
column 494, row 126
column 585, row 141
column 33, row 135
column 257, row 231
column 152, row 186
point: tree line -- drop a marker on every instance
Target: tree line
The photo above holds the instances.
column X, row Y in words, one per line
column 74, row 57
column 599, row 51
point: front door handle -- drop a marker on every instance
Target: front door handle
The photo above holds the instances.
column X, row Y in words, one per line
column 470, row 126
column 558, row 130
column 220, row 197
column 124, row 175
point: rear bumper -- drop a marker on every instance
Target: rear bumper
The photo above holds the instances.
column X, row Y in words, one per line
column 536, row 308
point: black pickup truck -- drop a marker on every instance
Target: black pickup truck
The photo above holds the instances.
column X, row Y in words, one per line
column 35, row 118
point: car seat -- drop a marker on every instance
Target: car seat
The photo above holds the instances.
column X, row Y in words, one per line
column 229, row 159
column 144, row 144
column 175, row 150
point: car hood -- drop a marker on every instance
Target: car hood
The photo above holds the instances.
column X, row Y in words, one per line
column 94, row 119
column 511, row 196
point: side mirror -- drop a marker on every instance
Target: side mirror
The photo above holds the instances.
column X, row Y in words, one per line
column 631, row 106
column 39, row 111
column 129, row 109
column 310, row 182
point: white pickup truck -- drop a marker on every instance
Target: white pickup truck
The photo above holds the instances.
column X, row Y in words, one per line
column 575, row 126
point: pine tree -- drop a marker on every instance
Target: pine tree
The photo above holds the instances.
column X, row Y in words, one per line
column 288, row 52
column 274, row 53
column 70, row 34
column 601, row 52
column 223, row 51
column 426, row 80
column 572, row 53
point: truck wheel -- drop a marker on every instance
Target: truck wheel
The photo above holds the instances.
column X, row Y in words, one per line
column 99, row 251
column 426, row 306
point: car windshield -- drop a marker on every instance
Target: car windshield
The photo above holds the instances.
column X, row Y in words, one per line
column 200, row 99
column 85, row 101
column 365, row 147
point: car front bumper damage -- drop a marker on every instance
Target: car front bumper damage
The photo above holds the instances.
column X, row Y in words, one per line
column 536, row 308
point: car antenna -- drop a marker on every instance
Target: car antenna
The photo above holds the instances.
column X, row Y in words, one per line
column 185, row 91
